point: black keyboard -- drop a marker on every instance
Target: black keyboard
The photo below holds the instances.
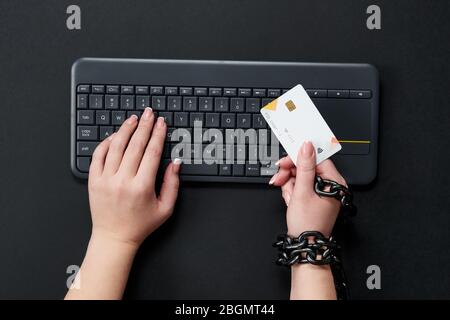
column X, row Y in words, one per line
column 223, row 95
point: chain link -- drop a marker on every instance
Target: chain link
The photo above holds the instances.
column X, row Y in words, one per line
column 332, row 189
column 310, row 247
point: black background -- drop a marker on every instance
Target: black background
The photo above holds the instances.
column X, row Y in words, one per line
column 218, row 243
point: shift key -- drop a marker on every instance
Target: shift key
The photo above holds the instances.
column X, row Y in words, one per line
column 87, row 133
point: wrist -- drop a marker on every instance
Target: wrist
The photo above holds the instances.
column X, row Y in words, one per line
column 295, row 231
column 110, row 242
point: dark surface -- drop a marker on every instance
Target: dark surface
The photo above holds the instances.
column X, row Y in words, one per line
column 217, row 244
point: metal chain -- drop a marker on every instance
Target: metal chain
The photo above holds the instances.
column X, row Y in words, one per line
column 310, row 247
column 332, row 189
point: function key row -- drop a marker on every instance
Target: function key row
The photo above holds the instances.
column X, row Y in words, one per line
column 218, row 92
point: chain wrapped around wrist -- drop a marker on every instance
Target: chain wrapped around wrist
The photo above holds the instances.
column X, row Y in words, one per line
column 332, row 189
column 312, row 246
column 309, row 247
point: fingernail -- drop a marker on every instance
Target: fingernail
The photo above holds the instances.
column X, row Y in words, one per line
column 307, row 149
column 132, row 119
column 277, row 163
column 272, row 181
column 176, row 166
column 160, row 121
column 147, row 113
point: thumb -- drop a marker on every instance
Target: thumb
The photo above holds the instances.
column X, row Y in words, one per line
column 169, row 189
column 306, row 169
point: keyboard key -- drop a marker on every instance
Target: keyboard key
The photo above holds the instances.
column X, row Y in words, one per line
column 212, row 120
column 338, row 93
column 229, row 92
column 82, row 101
column 243, row 121
column 215, row 92
column 181, row 119
column 259, row 92
column 142, row 102
column 83, row 88
column 259, row 122
column 174, row 103
column 141, row 90
column 317, row 93
column 169, row 135
column 240, row 153
column 177, row 150
column 98, row 89
column 237, row 104
column 111, row 101
column 225, row 170
column 245, row 92
column 83, row 163
column 238, row 170
column 182, row 134
column 360, row 94
column 240, row 137
column 273, row 93
column 85, row 117
column 228, row 120
column 265, row 101
column 118, row 117
column 196, row 116
column 95, row 101
column 200, row 91
column 221, row 104
column 205, row 104
column 186, row 91
column 252, row 170
column 86, row 148
column 171, row 91
column 156, row 90
column 168, row 117
column 268, row 169
column 135, row 112
column 102, row 117
column 112, row 89
column 199, row 169
column 263, row 136
column 127, row 102
column 158, row 103
column 87, row 132
column 127, row 90
column 190, row 104
column 105, row 132
column 252, row 104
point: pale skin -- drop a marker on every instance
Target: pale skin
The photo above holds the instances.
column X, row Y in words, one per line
column 306, row 211
column 125, row 208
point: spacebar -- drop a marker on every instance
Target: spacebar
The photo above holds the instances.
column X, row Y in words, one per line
column 199, row 169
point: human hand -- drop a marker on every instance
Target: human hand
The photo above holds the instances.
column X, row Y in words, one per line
column 306, row 210
column 124, row 205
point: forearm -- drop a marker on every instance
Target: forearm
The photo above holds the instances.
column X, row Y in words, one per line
column 105, row 270
column 312, row 282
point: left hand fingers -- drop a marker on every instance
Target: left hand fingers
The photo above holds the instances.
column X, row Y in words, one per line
column 152, row 155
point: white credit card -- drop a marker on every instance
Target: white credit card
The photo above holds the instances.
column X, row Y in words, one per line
column 294, row 118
